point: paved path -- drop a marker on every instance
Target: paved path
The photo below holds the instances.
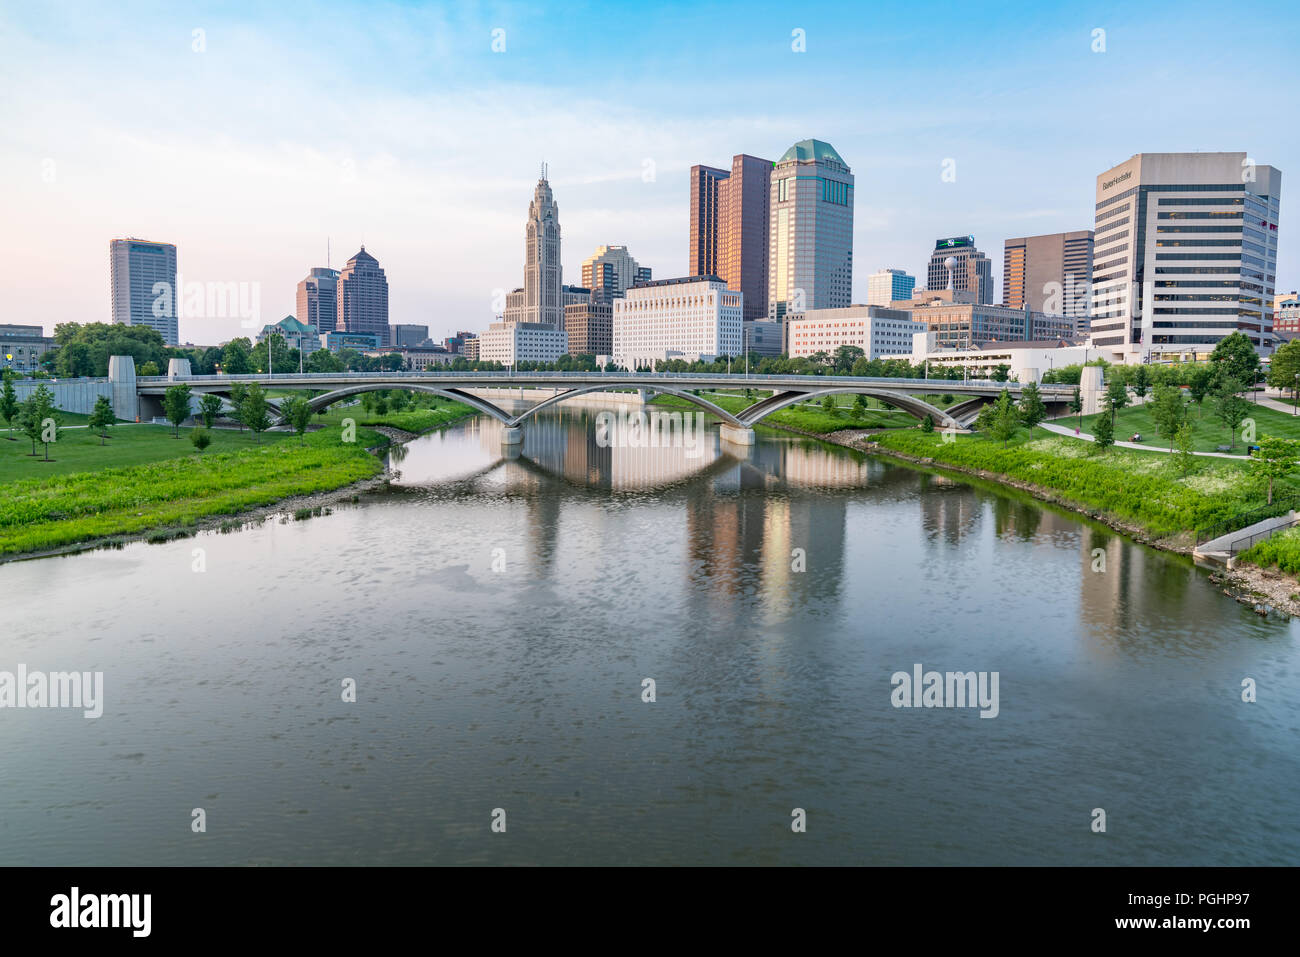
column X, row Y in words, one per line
column 1062, row 430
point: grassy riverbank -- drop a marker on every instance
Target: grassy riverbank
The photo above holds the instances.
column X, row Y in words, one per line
column 38, row 514
column 1144, row 489
column 1208, row 433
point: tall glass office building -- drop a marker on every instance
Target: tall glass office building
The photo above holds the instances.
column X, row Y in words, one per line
column 810, row 249
column 137, row 267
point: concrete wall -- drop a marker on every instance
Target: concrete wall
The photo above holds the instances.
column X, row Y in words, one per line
column 72, row 395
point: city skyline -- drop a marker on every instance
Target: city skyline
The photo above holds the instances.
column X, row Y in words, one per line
column 406, row 174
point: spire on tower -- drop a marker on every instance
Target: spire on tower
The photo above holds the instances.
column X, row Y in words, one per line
column 543, row 172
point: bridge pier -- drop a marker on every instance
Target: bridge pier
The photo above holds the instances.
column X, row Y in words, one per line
column 736, row 434
column 512, row 435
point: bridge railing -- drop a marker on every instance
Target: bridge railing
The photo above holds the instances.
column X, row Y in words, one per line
column 325, row 378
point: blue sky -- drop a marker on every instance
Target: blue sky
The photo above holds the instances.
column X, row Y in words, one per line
column 397, row 125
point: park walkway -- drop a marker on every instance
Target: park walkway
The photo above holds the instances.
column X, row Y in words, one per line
column 1062, row 430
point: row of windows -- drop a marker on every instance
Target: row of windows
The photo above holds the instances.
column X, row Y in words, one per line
column 1198, row 242
column 1166, row 311
column 1194, row 201
column 1222, row 228
column 1218, row 214
column 1109, row 226
column 1113, row 212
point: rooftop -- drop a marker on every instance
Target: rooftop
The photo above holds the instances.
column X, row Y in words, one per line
column 812, row 151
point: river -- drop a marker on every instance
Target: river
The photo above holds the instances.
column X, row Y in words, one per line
column 500, row 611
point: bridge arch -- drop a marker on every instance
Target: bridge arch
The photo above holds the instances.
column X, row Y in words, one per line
column 901, row 400
column 482, row 405
column 686, row 394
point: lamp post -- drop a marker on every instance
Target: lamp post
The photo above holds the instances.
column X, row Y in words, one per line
column 1295, row 394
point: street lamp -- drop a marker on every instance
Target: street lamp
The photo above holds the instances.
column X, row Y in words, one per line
column 1295, row 394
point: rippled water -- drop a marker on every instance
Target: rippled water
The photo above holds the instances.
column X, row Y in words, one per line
column 500, row 610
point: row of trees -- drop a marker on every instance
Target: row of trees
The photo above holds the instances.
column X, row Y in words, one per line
column 36, row 416
column 249, row 406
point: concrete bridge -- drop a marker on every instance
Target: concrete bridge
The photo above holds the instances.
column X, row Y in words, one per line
column 905, row 394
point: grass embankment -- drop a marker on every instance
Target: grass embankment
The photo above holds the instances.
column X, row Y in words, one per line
column 38, row 514
column 79, row 450
column 443, row 412
column 1208, row 433
column 1145, row 489
column 1282, row 550
column 806, row 418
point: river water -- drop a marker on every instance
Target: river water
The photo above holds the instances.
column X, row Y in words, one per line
column 499, row 613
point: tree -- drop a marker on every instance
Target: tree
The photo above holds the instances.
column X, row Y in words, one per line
column 1141, row 381
column 1235, row 358
column 1183, row 443
column 1103, row 432
column 237, row 393
column 1276, row 458
column 1076, row 405
column 846, row 356
column 1168, row 412
column 38, row 420
column 1116, row 398
column 201, row 439
column 149, row 368
column 1000, row 419
column 101, row 417
column 209, row 408
column 927, row 424
column 8, row 403
column 1229, row 407
column 1199, row 381
column 1032, row 409
column 860, row 405
column 234, row 357
column 297, row 412
column 176, row 406
column 828, row 404
column 1001, row 372
column 253, row 411
column 1284, row 366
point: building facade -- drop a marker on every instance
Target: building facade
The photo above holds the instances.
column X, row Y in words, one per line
column 959, row 325
column 705, row 213
column 957, row 266
column 1050, row 273
column 21, row 347
column 889, row 285
column 542, row 296
column 692, row 318
column 296, row 335
column 408, row 334
column 416, row 358
column 1027, row 361
column 513, row 342
column 361, row 342
column 590, row 326
column 1185, row 254
column 1286, row 312
column 880, row 332
column 142, row 280
column 613, row 271
column 318, row 303
column 810, row 245
column 363, row 297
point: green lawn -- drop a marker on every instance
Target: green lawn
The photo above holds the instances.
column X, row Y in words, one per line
column 79, row 450
column 174, row 492
column 1207, row 431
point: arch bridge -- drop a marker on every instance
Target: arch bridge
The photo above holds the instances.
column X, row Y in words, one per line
column 786, row 390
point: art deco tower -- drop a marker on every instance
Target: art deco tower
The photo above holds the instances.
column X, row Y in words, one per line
column 542, row 276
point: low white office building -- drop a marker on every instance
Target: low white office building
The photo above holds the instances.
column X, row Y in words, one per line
column 880, row 333
column 513, row 342
column 1028, row 361
column 694, row 318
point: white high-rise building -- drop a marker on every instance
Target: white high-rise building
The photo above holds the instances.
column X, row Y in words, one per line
column 142, row 278
column 693, row 318
column 1185, row 254
column 889, row 285
column 880, row 332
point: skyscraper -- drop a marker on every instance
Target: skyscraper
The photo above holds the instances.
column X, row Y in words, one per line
column 705, row 212
column 142, row 283
column 810, row 253
column 362, row 292
column 889, row 285
column 1050, row 274
column 1186, row 254
column 543, row 301
column 957, row 265
column 744, row 201
column 318, row 299
column 611, row 270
